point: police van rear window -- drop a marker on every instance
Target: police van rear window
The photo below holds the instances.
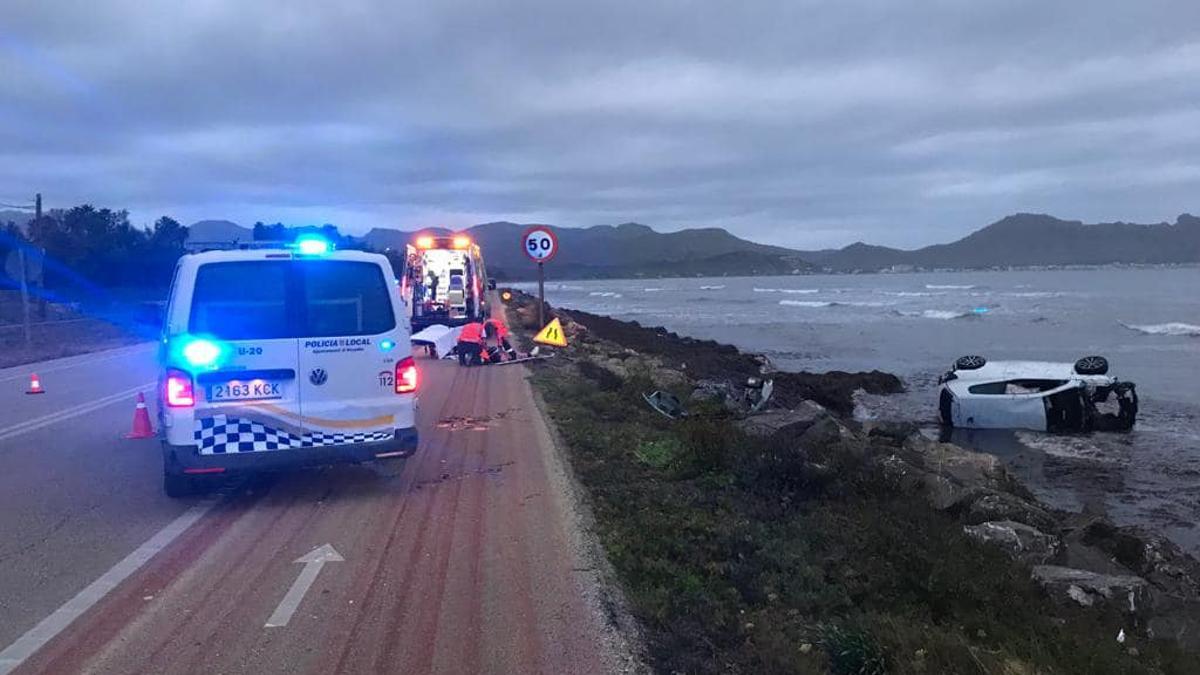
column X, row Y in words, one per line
column 243, row 300
column 344, row 298
column 268, row 299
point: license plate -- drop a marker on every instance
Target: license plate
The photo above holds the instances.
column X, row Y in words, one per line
column 245, row 391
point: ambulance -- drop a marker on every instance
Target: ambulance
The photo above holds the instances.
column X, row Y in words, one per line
column 444, row 281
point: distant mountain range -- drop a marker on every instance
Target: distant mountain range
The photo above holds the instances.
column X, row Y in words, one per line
column 218, row 231
column 623, row 251
column 1028, row 240
column 633, row 250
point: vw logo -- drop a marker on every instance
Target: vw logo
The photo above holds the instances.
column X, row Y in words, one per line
column 318, row 376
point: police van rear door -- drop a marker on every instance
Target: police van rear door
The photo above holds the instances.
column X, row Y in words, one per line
column 352, row 337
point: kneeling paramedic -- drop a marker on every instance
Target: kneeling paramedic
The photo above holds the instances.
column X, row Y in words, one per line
column 470, row 346
column 494, row 329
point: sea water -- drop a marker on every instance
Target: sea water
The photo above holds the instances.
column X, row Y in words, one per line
column 1146, row 321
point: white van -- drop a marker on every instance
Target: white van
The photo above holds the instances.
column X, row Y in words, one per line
column 284, row 357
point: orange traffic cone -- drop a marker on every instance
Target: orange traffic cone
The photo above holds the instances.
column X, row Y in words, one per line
column 35, row 385
column 141, row 420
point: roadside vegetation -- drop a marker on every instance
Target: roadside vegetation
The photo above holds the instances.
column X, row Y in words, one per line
column 742, row 554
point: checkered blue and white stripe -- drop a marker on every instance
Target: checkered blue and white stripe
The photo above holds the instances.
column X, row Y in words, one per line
column 221, row 434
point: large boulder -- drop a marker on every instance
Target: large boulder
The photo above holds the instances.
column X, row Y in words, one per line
column 962, row 466
column 797, row 421
column 952, row 475
column 667, row 378
column 1089, row 589
column 1149, row 554
column 719, row 391
column 890, row 431
column 1020, row 541
column 827, row 433
column 616, row 366
column 989, row 505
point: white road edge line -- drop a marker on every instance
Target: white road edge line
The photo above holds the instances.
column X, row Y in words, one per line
column 37, row 637
column 62, row 415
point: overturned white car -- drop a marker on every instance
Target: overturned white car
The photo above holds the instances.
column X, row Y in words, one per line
column 978, row 394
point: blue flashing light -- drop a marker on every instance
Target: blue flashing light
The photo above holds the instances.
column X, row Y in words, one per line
column 313, row 246
column 201, row 353
column 386, row 345
column 980, row 310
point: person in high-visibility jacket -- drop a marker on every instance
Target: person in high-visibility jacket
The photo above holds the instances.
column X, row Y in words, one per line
column 470, row 346
column 494, row 329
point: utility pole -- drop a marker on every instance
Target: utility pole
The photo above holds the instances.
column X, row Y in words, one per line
column 23, row 262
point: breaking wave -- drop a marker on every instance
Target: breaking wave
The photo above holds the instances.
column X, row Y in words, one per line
column 807, row 303
column 652, row 290
column 944, row 314
column 911, row 294
column 790, row 291
column 604, row 294
column 712, row 288
column 1173, row 328
column 1075, row 448
column 949, row 287
column 827, row 303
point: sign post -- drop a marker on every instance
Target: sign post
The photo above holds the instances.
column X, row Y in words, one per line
column 540, row 244
column 24, row 264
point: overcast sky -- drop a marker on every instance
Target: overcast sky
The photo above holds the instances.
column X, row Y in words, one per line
column 806, row 124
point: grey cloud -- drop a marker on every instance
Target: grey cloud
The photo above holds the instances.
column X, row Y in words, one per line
column 802, row 123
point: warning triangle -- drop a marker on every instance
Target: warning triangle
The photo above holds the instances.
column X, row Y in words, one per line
column 552, row 335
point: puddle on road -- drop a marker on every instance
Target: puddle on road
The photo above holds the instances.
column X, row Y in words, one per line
column 473, row 423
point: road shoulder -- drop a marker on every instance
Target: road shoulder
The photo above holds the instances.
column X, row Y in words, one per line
column 623, row 648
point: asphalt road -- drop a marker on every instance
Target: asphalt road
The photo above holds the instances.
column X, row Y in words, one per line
column 464, row 560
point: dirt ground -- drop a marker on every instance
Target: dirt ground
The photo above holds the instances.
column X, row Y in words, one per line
column 58, row 339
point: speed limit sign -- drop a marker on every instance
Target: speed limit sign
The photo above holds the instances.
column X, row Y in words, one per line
column 540, row 243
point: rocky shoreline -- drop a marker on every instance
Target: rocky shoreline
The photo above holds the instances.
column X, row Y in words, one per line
column 1082, row 562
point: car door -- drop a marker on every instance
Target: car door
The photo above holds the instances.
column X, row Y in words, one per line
column 249, row 401
column 352, row 340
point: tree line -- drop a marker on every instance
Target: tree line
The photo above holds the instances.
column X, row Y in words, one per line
column 90, row 246
column 98, row 248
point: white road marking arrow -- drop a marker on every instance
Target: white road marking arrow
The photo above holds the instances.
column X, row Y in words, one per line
column 313, row 562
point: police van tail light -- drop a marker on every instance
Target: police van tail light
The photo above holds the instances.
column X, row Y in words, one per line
column 406, row 376
column 179, row 391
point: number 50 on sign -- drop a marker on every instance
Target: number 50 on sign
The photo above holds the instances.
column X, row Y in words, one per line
column 540, row 244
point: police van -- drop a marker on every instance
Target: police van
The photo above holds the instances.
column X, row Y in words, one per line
column 275, row 358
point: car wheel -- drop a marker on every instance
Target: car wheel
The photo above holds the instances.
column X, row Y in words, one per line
column 970, row 363
column 1092, row 365
column 945, row 407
